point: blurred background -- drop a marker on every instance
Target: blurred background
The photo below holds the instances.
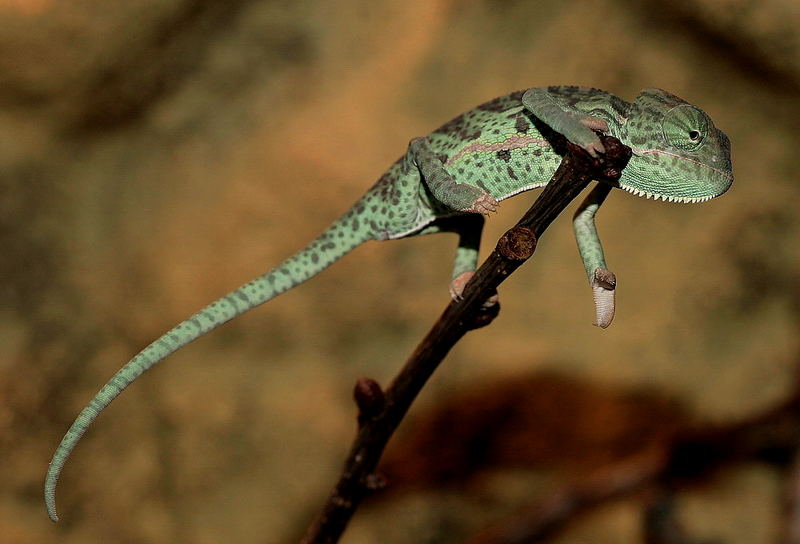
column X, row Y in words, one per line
column 154, row 155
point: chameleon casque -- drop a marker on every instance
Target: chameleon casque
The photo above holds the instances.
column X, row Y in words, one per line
column 447, row 182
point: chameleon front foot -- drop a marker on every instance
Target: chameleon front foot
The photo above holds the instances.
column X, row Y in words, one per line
column 594, row 146
column 604, row 284
column 460, row 282
column 595, row 123
column 484, row 205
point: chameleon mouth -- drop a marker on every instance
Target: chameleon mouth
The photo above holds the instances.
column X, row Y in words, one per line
column 666, row 198
column 715, row 179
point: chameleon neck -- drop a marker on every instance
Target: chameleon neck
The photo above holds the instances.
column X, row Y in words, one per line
column 332, row 244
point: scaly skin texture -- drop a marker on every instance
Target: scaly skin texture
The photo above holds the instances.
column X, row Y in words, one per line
column 446, row 181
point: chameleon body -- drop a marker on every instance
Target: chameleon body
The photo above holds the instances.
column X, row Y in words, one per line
column 448, row 180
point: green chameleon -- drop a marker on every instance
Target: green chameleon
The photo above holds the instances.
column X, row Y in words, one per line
column 447, row 182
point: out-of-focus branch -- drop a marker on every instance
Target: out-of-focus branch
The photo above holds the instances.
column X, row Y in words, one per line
column 695, row 454
column 544, row 519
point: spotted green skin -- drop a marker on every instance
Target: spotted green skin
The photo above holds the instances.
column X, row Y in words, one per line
column 501, row 148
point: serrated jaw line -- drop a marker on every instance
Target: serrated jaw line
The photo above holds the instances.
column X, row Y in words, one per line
column 667, row 198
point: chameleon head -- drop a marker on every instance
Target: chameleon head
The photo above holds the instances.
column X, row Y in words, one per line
column 678, row 153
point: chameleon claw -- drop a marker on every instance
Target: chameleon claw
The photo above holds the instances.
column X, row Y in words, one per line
column 594, row 147
column 484, row 205
column 604, row 285
column 457, row 285
column 460, row 282
column 595, row 123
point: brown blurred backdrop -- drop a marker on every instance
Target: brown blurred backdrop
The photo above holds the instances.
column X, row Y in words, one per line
column 154, row 155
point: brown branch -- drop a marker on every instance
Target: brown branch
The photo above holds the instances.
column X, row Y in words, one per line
column 381, row 412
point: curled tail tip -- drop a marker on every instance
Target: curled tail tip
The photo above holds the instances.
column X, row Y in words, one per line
column 50, row 503
column 50, row 484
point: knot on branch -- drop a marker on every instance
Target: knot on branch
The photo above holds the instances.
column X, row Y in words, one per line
column 485, row 316
column 517, row 244
column 369, row 398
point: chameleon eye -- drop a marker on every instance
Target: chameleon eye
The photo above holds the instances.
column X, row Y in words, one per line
column 685, row 127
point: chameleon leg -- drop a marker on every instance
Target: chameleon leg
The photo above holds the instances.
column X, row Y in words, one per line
column 469, row 228
column 576, row 128
column 458, row 196
column 469, row 238
column 602, row 280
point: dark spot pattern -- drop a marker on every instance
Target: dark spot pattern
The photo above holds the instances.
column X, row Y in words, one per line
column 521, row 125
column 460, row 128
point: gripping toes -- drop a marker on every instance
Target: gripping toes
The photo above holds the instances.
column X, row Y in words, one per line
column 594, row 148
column 595, row 123
column 592, row 145
column 460, row 282
column 484, row 204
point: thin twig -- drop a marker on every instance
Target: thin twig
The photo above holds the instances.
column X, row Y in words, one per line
column 381, row 412
column 545, row 519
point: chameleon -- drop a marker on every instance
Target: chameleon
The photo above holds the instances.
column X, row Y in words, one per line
column 451, row 179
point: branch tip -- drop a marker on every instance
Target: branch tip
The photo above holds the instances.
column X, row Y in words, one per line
column 369, row 398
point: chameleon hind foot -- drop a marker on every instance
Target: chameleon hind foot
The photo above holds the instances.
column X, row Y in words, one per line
column 460, row 282
column 604, row 285
column 483, row 205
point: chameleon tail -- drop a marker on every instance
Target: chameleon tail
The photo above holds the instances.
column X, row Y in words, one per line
column 344, row 235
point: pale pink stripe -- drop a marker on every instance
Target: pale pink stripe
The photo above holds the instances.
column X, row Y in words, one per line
column 513, row 142
column 642, row 151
